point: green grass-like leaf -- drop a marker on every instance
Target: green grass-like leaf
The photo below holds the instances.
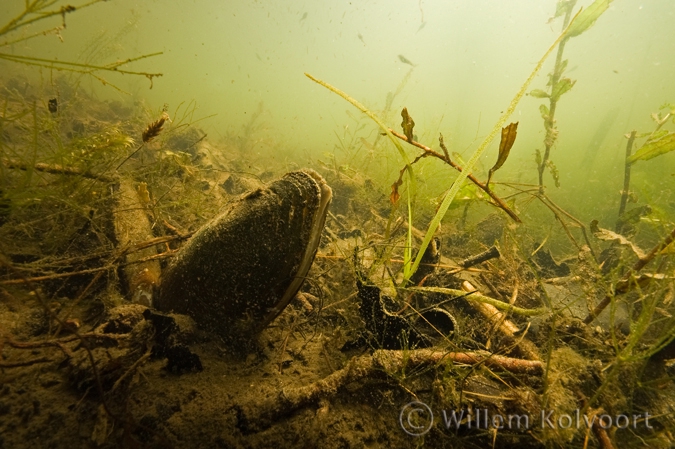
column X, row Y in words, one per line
column 653, row 148
column 587, row 17
column 450, row 195
column 409, row 170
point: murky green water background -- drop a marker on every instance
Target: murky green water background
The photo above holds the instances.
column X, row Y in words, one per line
column 470, row 57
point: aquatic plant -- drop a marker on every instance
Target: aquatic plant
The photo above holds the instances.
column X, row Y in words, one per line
column 559, row 85
column 36, row 11
column 581, row 22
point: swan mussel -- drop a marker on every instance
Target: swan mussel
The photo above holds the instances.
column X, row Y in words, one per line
column 240, row 270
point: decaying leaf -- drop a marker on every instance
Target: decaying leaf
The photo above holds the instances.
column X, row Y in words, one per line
column 508, row 138
column 654, row 147
column 395, row 196
column 607, row 235
column 407, row 124
column 587, row 17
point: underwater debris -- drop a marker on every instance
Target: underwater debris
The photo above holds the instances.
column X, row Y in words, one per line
column 407, row 124
column 625, row 280
column 132, row 225
column 53, row 105
column 387, row 330
column 490, row 253
column 180, row 359
column 405, row 60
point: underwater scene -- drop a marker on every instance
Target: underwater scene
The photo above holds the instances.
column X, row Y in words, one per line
column 345, row 224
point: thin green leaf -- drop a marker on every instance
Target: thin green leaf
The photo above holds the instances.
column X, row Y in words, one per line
column 458, row 158
column 563, row 65
column 654, row 147
column 538, row 93
column 450, row 195
column 376, row 119
column 587, row 17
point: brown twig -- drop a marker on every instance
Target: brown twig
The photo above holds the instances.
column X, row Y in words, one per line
column 82, row 259
column 58, row 342
column 56, row 169
column 131, row 369
column 601, row 434
column 25, row 362
column 24, row 280
column 429, row 152
column 372, row 366
column 491, row 253
column 639, row 265
column 557, row 211
column 626, row 180
column 575, row 220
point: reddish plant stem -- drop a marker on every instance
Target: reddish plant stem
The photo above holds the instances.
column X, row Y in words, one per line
column 429, row 152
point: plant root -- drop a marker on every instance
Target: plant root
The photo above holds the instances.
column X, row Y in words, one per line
column 253, row 415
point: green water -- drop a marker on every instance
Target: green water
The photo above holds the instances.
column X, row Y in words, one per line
column 243, row 63
column 470, row 56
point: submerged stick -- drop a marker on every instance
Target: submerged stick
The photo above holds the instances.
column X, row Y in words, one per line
column 491, row 253
column 481, row 298
column 361, row 368
column 626, row 180
column 56, row 169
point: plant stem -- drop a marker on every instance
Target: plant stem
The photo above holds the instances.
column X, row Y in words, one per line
column 457, row 184
column 445, row 158
column 626, row 180
column 549, row 122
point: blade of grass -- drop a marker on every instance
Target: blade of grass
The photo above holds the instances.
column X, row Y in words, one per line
column 457, row 184
column 409, row 170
